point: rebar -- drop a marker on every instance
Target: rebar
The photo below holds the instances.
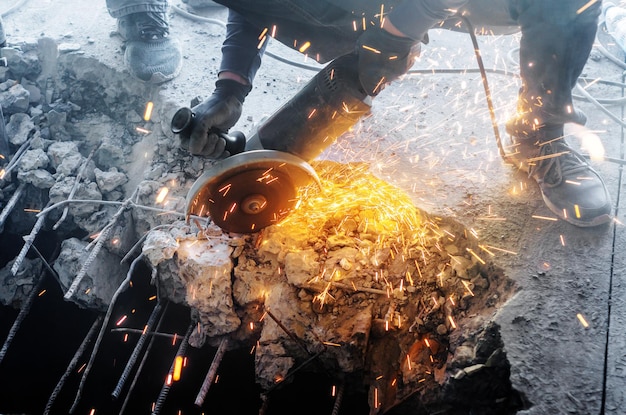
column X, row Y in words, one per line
column 138, row 347
column 338, row 398
column 79, row 352
column 182, row 349
column 143, row 362
column 94, row 352
column 210, row 377
column 28, row 242
column 11, row 204
column 102, row 237
column 79, row 176
column 21, row 316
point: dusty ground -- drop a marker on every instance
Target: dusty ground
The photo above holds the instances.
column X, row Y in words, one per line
column 430, row 134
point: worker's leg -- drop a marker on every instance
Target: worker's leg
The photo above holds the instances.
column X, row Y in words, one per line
column 150, row 54
column 119, row 8
column 557, row 37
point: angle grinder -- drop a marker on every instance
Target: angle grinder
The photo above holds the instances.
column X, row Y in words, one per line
column 258, row 184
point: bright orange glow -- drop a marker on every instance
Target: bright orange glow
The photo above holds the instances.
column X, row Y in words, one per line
column 178, row 367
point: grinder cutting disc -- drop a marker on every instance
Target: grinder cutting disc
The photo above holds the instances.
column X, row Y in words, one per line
column 248, row 191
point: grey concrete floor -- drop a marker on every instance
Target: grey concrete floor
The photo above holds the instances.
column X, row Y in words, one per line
column 430, row 135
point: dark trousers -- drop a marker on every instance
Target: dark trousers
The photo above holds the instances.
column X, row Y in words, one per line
column 557, row 36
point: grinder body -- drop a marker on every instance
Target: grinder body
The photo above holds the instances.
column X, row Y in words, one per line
column 258, row 187
column 327, row 106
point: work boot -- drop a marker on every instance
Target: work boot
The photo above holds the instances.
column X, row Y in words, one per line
column 150, row 54
column 570, row 187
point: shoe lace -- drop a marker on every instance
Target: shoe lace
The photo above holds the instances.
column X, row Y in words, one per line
column 556, row 162
column 154, row 26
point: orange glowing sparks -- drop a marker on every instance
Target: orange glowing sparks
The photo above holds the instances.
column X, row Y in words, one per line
column 162, row 194
column 142, row 130
column 452, row 323
column 408, row 361
column 42, row 292
column 147, row 114
column 304, row 47
column 475, row 255
column 178, row 368
column 586, row 6
column 562, row 239
column 545, row 218
column 121, row 320
column 582, row 320
column 577, row 211
column 467, row 287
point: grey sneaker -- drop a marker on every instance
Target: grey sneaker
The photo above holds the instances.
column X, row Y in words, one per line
column 570, row 187
column 150, row 54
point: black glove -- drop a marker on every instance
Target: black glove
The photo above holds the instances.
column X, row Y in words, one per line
column 383, row 58
column 216, row 114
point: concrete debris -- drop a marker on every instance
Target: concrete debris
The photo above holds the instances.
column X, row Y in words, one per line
column 389, row 297
column 19, row 128
column 94, row 292
column 17, row 288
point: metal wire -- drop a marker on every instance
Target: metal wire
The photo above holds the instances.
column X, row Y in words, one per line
column 182, row 349
column 21, row 316
column 102, row 332
column 70, row 368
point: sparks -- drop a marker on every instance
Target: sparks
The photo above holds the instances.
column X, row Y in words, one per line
column 162, row 195
column 304, row 46
column 452, row 323
column 582, row 320
column 475, row 255
column 586, row 6
column 545, row 218
column 147, row 114
column 121, row 320
column 178, row 367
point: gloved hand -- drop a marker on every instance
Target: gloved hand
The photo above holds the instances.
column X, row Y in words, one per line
column 383, row 58
column 218, row 113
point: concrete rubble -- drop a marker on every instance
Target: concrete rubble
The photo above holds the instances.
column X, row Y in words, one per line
column 400, row 309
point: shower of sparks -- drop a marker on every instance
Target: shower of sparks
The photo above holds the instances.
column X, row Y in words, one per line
column 582, row 320
column 147, row 115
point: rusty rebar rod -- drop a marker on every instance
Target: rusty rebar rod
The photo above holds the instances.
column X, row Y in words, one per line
column 8, row 208
column 107, row 317
column 143, row 361
column 210, row 377
column 70, row 368
column 28, row 242
column 165, row 390
column 138, row 347
column 21, row 316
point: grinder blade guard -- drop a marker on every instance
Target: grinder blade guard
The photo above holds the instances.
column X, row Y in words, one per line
column 248, row 191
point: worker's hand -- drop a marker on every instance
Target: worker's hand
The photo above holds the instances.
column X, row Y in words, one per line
column 384, row 57
column 218, row 113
